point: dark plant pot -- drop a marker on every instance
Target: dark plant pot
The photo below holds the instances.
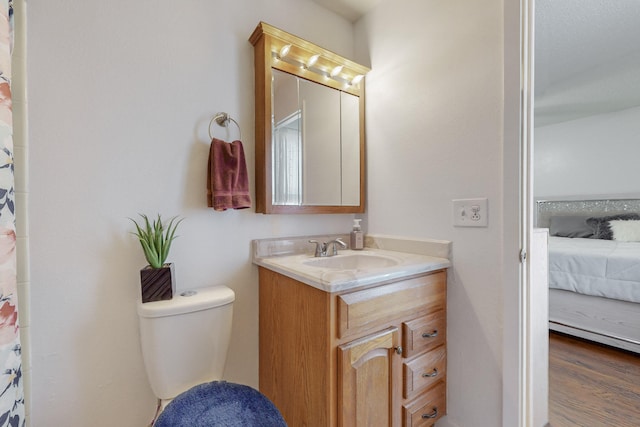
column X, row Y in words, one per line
column 157, row 283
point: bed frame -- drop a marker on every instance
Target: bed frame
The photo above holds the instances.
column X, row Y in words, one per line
column 603, row 320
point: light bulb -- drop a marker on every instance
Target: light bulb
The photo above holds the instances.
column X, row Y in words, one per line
column 284, row 51
column 357, row 79
column 312, row 60
column 336, row 71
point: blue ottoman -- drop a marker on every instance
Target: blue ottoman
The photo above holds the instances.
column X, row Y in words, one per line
column 220, row 404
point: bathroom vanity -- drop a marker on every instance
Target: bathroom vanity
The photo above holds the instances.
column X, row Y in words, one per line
column 345, row 345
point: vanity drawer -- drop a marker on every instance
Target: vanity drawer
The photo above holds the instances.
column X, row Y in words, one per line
column 424, row 371
column 424, row 333
column 361, row 310
column 424, row 412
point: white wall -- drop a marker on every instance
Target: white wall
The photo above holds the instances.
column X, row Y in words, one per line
column 120, row 98
column 434, row 133
column 596, row 155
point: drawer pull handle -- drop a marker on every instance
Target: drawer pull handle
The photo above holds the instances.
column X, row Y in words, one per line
column 398, row 349
column 433, row 414
column 430, row 335
column 431, row 374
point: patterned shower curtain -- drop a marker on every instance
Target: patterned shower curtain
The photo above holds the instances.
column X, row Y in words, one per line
column 11, row 387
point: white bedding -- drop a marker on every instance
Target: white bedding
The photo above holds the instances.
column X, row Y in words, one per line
column 604, row 268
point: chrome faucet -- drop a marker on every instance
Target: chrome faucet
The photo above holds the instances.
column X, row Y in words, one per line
column 322, row 248
column 335, row 244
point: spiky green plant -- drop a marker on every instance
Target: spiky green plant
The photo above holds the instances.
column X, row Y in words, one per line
column 155, row 238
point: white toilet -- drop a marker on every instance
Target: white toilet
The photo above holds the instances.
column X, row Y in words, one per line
column 185, row 339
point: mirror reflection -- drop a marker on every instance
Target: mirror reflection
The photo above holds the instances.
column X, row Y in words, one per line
column 316, row 144
column 287, row 141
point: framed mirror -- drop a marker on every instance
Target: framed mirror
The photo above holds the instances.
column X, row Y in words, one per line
column 310, row 138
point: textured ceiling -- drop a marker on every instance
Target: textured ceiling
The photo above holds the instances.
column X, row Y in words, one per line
column 350, row 9
column 587, row 58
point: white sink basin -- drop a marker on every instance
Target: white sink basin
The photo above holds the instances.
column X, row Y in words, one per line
column 350, row 269
column 352, row 262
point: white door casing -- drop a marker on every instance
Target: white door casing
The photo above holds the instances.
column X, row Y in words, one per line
column 525, row 367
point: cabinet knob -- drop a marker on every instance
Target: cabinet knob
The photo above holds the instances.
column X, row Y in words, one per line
column 433, row 414
column 431, row 374
column 430, row 335
column 398, row 349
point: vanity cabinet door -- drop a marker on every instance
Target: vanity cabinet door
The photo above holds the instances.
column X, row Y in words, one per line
column 368, row 386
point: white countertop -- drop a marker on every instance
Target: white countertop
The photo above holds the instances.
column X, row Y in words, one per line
column 336, row 280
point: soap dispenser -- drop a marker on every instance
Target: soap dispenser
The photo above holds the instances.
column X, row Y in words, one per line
column 357, row 238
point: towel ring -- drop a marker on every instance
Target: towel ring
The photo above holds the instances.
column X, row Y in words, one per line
column 223, row 119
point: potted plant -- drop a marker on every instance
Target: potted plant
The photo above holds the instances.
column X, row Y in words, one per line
column 156, row 279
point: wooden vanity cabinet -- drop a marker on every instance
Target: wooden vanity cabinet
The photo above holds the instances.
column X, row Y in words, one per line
column 368, row 357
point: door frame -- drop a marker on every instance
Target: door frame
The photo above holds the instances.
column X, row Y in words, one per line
column 518, row 403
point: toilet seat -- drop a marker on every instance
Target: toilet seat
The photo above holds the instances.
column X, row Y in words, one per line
column 221, row 403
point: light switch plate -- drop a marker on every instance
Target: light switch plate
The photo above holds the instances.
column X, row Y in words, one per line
column 471, row 212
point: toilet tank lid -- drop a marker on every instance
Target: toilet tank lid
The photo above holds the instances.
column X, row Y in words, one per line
column 188, row 301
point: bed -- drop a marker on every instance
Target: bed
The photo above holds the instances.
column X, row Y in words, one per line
column 594, row 280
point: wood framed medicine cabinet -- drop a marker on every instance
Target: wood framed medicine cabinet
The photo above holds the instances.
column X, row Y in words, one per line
column 310, row 139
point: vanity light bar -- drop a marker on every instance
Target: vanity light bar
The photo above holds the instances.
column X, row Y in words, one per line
column 334, row 72
column 294, row 55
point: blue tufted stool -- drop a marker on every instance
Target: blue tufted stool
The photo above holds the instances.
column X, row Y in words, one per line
column 220, row 404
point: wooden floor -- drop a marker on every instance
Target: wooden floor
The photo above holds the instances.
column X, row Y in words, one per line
column 592, row 385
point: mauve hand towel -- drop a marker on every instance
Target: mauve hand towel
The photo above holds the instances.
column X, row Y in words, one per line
column 227, row 179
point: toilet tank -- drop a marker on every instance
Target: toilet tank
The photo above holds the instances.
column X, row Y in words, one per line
column 185, row 340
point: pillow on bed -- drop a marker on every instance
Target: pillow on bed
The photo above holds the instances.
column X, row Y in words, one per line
column 601, row 228
column 570, row 226
column 625, row 230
